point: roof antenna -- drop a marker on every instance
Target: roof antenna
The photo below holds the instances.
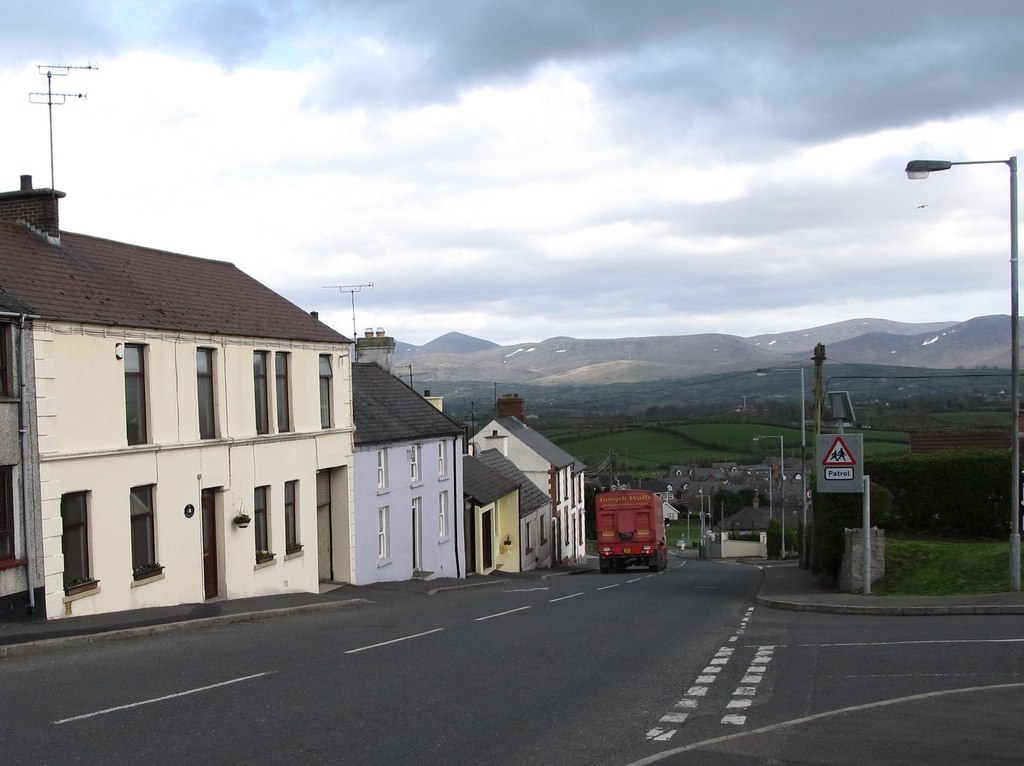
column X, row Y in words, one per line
column 55, row 99
column 351, row 290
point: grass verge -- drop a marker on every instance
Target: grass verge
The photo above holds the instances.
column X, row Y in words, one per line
column 943, row 568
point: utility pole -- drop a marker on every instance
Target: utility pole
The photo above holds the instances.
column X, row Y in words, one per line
column 55, row 99
column 819, row 394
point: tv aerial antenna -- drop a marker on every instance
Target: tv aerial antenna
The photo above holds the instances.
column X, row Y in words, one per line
column 55, row 99
column 351, row 290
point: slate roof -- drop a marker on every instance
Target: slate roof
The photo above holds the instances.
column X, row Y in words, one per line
column 99, row 281
column 530, row 497
column 540, row 444
column 386, row 410
column 483, row 483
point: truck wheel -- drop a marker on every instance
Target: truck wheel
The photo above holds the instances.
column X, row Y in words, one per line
column 606, row 566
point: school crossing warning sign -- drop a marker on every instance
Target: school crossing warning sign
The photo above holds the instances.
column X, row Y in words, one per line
column 840, row 459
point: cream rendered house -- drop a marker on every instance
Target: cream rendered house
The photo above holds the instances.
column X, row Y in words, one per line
column 194, row 427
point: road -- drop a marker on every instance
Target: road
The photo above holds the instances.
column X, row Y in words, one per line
column 583, row 669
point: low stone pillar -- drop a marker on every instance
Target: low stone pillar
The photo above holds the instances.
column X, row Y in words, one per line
column 851, row 573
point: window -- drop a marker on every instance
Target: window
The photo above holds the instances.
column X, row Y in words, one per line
column 262, row 518
column 74, row 541
column 382, row 533
column 204, row 387
column 6, row 360
column 442, row 515
column 543, row 529
column 262, row 392
column 382, row 470
column 442, row 459
column 135, row 392
column 6, row 511
column 281, row 388
column 326, row 384
column 414, row 463
column 143, row 540
column 291, row 519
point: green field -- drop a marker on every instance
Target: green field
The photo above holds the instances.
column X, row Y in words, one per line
column 649, row 450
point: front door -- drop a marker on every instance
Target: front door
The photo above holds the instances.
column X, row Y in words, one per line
column 211, row 575
column 485, row 542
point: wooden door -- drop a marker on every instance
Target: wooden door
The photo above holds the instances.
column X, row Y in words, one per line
column 211, row 574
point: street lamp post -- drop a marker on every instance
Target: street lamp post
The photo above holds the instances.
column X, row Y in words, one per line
column 804, row 553
column 920, row 169
column 782, row 491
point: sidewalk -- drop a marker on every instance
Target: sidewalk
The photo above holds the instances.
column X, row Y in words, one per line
column 783, row 586
column 27, row 636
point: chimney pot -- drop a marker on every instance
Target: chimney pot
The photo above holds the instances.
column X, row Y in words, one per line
column 26, row 183
column 314, row 314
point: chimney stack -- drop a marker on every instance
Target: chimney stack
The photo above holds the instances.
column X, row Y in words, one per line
column 36, row 208
column 376, row 347
column 512, row 406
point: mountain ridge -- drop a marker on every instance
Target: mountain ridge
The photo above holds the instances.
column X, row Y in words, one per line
column 977, row 342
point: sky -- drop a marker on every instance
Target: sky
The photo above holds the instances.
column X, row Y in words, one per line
column 517, row 170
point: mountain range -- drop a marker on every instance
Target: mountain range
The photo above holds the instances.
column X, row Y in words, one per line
column 975, row 343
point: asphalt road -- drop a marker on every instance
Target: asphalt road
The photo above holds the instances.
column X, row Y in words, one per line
column 634, row 667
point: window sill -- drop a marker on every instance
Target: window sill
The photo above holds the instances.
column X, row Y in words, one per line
column 12, row 563
column 293, row 552
column 147, row 578
column 263, row 562
column 75, row 592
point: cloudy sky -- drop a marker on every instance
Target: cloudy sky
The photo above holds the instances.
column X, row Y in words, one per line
column 522, row 169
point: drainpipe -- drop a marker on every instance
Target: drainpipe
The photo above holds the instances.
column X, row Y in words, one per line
column 23, row 432
column 456, row 501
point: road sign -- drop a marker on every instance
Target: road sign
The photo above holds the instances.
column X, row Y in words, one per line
column 840, row 461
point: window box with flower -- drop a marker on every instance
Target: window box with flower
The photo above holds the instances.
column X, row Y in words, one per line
column 146, row 571
column 264, row 556
column 80, row 585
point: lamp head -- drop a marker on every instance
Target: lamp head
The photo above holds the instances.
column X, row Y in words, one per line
column 921, row 168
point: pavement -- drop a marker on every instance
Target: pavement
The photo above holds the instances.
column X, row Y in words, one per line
column 784, row 585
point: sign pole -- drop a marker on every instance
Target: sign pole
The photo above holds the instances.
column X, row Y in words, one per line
column 867, row 534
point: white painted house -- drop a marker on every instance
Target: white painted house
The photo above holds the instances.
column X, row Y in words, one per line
column 407, row 521
column 174, row 395
column 553, row 470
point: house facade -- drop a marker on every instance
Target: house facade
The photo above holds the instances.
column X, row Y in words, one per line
column 194, row 427
column 533, row 544
column 407, row 520
column 491, row 518
column 552, row 470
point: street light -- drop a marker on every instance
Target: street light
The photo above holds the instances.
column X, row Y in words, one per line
column 782, row 491
column 804, row 553
column 920, row 169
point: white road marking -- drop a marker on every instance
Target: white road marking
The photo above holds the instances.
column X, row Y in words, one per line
column 162, row 699
column 397, row 640
column 697, row 691
column 665, row 754
column 500, row 614
column 563, row 598
column 734, row 704
column 674, row 717
column 606, row 587
column 736, row 720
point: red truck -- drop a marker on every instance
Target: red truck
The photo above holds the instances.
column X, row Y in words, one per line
column 630, row 530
